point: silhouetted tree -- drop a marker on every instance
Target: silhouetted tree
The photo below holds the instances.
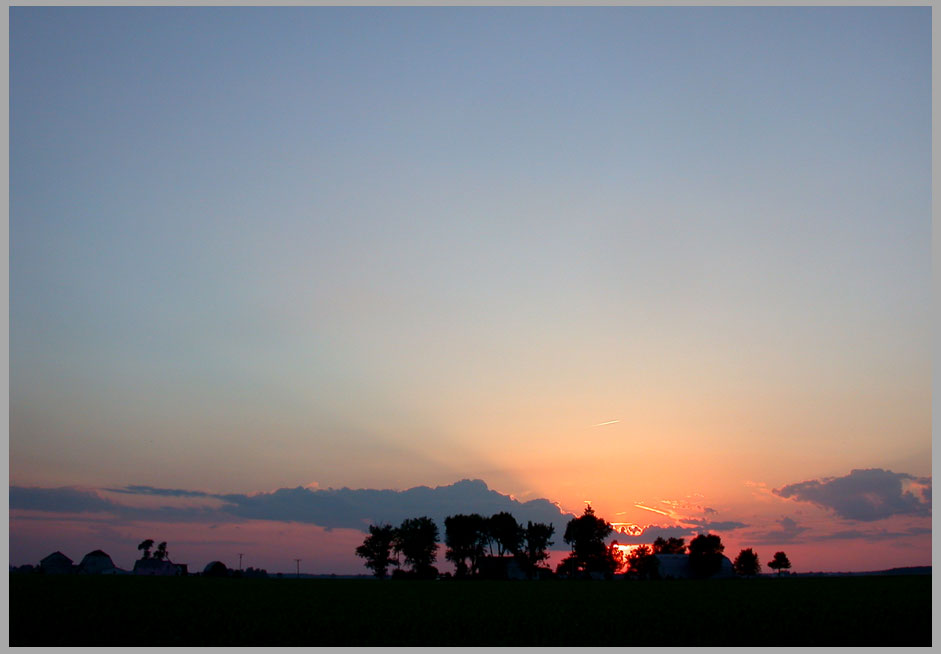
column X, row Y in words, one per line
column 466, row 537
column 505, row 532
column 161, row 552
column 535, row 543
column 669, row 546
column 705, row 555
column 145, row 548
column 643, row 564
column 416, row 540
column 780, row 562
column 586, row 535
column 746, row 563
column 377, row 549
column 615, row 557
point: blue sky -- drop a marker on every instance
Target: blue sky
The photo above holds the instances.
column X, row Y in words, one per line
column 254, row 248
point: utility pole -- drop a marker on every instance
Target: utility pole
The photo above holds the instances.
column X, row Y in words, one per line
column 240, row 561
column 298, row 562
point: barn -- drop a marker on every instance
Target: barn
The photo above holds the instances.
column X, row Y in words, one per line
column 56, row 563
column 97, row 563
column 215, row 569
column 676, row 566
column 499, row 567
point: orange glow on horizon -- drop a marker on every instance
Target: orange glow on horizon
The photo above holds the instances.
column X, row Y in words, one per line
column 628, row 528
column 627, row 550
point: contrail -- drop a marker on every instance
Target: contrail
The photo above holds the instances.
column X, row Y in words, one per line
column 602, row 424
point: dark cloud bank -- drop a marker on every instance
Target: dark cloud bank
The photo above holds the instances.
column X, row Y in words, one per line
column 329, row 508
column 862, row 495
column 866, row 495
column 332, row 508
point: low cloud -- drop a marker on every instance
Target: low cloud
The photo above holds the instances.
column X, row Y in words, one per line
column 876, row 535
column 358, row 508
column 343, row 508
column 163, row 492
column 63, row 500
column 787, row 533
column 708, row 525
column 866, row 495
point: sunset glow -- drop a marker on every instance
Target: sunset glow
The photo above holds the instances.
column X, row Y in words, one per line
column 281, row 273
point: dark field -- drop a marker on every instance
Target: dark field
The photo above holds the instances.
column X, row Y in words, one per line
column 204, row 611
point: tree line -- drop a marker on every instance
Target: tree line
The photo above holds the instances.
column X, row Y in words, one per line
column 411, row 548
column 705, row 553
column 473, row 541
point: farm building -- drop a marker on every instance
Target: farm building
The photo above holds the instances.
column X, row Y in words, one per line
column 215, row 569
column 676, row 566
column 56, row 563
column 159, row 568
column 97, row 563
column 500, row 567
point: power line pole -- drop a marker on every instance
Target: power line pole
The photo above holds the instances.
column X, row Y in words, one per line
column 240, row 561
column 298, row 562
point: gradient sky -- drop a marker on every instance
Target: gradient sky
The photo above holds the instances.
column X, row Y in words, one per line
column 263, row 248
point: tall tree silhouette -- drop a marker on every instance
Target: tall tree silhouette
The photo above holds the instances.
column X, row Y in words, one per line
column 586, row 535
column 416, row 540
column 161, row 553
column 705, row 555
column 535, row 544
column 506, row 532
column 145, row 548
column 377, row 549
column 465, row 537
column 669, row 546
column 746, row 563
column 780, row 562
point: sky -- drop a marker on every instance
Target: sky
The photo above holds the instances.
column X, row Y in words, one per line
column 671, row 261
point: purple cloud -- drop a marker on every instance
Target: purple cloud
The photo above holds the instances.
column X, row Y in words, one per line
column 788, row 532
column 329, row 508
column 712, row 525
column 866, row 495
column 879, row 535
